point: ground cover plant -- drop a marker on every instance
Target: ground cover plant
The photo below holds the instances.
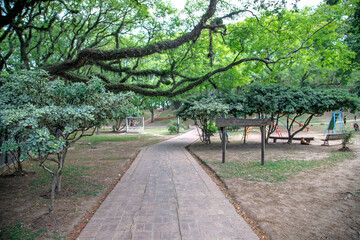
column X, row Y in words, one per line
column 203, row 110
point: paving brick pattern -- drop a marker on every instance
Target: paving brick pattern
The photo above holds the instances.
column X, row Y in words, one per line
column 165, row 194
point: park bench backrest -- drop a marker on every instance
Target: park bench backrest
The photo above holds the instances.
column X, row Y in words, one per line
column 335, row 136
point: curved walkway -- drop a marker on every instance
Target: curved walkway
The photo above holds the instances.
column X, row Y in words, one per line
column 165, row 194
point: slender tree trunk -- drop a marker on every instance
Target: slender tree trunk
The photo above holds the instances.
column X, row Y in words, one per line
column 288, row 128
column 53, row 186
column 18, row 160
column 272, row 127
column 306, row 123
column 304, row 77
column 117, row 126
column 245, row 128
column 58, row 184
column 207, row 137
column 152, row 115
column 61, row 159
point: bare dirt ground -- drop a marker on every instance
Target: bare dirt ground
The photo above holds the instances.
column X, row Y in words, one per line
column 322, row 203
column 317, row 204
column 93, row 170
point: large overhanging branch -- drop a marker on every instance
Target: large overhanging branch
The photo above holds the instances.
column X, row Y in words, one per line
column 131, row 71
column 98, row 55
column 185, row 84
column 112, row 61
column 182, row 86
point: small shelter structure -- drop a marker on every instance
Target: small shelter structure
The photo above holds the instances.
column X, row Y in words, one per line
column 223, row 123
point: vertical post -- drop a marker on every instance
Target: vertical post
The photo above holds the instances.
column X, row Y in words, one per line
column 245, row 128
column 223, row 144
column 262, row 128
column 178, row 124
column 206, row 132
column 127, row 125
column 245, row 131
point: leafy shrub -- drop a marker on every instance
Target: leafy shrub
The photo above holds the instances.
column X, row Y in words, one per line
column 172, row 127
column 203, row 110
column 211, row 128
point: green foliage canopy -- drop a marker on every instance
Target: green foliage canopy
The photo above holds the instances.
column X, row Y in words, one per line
column 272, row 100
column 148, row 47
column 203, row 110
column 45, row 117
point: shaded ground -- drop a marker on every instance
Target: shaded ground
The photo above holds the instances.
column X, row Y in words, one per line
column 90, row 173
column 318, row 200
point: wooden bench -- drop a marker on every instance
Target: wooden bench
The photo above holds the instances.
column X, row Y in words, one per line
column 308, row 139
column 333, row 136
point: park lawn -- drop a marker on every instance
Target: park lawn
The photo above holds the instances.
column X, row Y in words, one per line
column 163, row 122
column 275, row 171
column 114, row 138
column 146, row 114
column 167, row 113
column 92, row 167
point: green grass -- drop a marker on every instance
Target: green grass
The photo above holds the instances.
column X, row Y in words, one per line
column 146, row 114
column 275, row 171
column 111, row 157
column 108, row 138
column 164, row 122
column 71, row 178
column 167, row 113
column 19, row 232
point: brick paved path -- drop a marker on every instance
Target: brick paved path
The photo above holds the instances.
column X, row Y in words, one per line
column 165, row 194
